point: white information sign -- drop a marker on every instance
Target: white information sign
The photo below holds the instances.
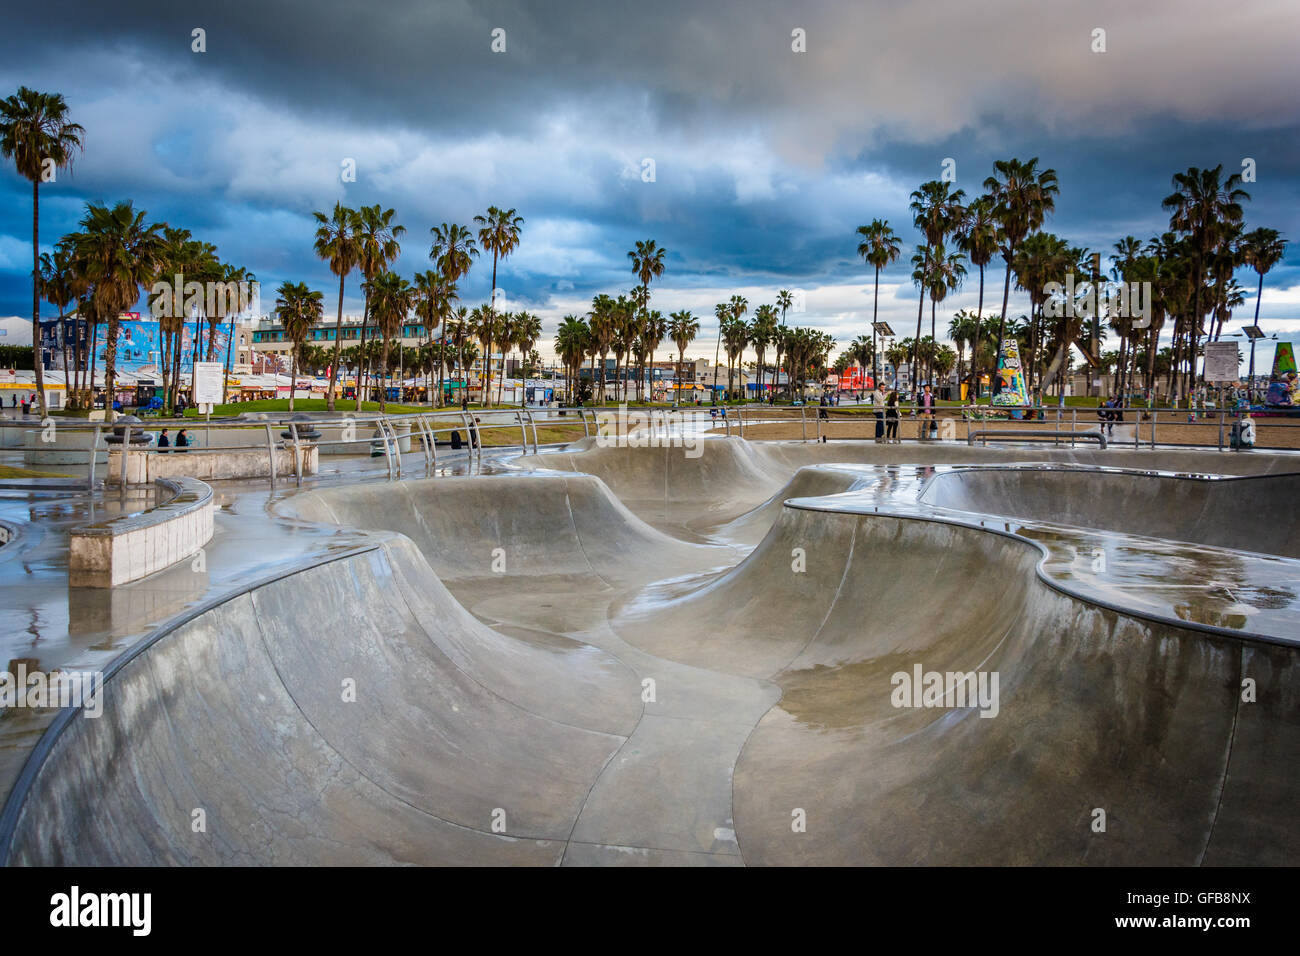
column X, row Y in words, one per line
column 1221, row 362
column 207, row 383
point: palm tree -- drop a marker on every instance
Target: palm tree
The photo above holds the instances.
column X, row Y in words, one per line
column 241, row 279
column 761, row 334
column 391, row 298
column 602, row 325
column 682, row 329
column 722, row 311
column 1200, row 206
column 338, row 244
column 433, row 298
column 57, row 287
column 118, row 255
column 572, row 340
column 1262, row 249
column 483, row 325
column 528, row 329
column 299, row 309
column 735, row 337
column 738, row 306
column 647, row 263
column 937, row 211
column 459, row 329
column 653, row 330
column 784, row 301
column 377, row 246
column 1022, row 197
column 36, row 134
column 978, row 239
column 499, row 234
column 452, row 253
column 880, row 246
column 963, row 329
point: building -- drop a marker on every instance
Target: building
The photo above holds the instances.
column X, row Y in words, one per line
column 15, row 330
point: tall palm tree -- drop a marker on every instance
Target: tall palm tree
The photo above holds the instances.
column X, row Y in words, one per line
column 937, row 212
column 57, row 287
column 1200, row 206
column 761, row 334
column 498, row 234
column 722, row 311
column 880, row 246
column 1022, row 196
column 738, row 306
column 433, row 298
column 391, row 300
column 377, row 247
column 682, row 329
column 735, row 338
column 946, row 275
column 242, row 279
column 118, row 255
column 784, row 301
column 602, row 323
column 647, row 263
column 1262, row 249
column 299, row 310
column 338, row 244
column 978, row 239
column 452, row 252
column 36, row 134
column 459, row 329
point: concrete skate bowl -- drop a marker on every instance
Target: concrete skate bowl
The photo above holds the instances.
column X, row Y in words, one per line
column 1098, row 710
column 243, row 711
column 545, row 529
column 1256, row 513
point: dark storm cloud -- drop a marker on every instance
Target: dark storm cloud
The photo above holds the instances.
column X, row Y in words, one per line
column 766, row 159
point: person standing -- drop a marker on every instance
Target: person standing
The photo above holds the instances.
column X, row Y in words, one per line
column 878, row 406
column 891, row 418
column 182, row 441
column 928, row 424
column 163, row 442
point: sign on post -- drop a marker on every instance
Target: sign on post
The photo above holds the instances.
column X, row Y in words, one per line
column 207, row 383
column 1221, row 362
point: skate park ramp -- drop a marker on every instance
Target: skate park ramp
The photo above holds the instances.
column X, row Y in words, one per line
column 410, row 702
column 1255, row 513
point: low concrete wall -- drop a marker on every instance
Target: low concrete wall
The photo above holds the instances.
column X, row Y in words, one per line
column 134, row 546
column 68, row 448
column 144, row 467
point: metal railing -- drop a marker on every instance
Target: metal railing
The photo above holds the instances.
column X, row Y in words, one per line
column 432, row 430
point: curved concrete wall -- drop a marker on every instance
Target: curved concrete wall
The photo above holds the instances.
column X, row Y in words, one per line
column 1098, row 710
column 131, row 547
column 1260, row 513
column 241, row 711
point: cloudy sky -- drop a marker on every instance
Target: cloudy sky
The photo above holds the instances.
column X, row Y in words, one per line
column 765, row 159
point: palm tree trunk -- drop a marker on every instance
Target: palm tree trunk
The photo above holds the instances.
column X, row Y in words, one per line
column 338, row 345
column 110, row 366
column 1002, row 321
column 37, row 365
column 225, row 375
column 94, row 343
column 916, row 343
column 361, row 352
column 383, row 381
column 63, row 342
column 293, row 374
column 975, row 349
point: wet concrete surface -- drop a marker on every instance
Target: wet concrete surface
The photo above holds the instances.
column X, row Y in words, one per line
column 642, row 676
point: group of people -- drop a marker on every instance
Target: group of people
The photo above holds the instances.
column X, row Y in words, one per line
column 165, row 442
column 28, row 402
column 1108, row 413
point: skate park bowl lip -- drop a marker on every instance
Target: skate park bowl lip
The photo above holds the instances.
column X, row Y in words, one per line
column 1125, row 500
column 1060, row 543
